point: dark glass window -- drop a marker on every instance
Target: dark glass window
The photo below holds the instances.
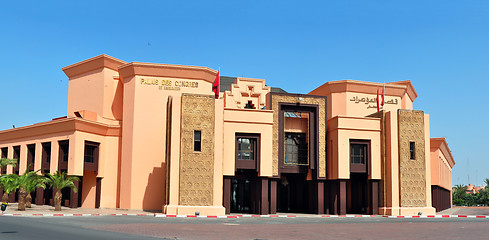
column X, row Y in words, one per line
column 4, row 155
column 46, row 152
column 64, row 148
column 197, row 140
column 17, row 156
column 90, row 153
column 31, row 156
column 295, row 149
column 246, row 149
column 412, row 152
column 357, row 153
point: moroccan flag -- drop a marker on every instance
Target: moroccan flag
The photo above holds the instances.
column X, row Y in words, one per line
column 215, row 86
column 378, row 100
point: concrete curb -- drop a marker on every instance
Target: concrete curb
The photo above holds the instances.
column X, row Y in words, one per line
column 234, row 216
column 440, row 216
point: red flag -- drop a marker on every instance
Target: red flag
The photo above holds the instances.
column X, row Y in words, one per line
column 383, row 96
column 378, row 100
column 215, row 86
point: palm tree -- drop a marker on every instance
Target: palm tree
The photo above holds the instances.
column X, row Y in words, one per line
column 486, row 181
column 35, row 182
column 61, row 180
column 8, row 185
column 5, row 162
column 22, row 182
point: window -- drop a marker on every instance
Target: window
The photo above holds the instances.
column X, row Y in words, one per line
column 17, row 156
column 89, row 153
column 359, row 156
column 357, row 153
column 412, row 150
column 46, row 152
column 64, row 148
column 246, row 149
column 4, row 155
column 295, row 149
column 197, row 141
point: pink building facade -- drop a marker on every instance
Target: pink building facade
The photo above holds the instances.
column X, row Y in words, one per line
column 153, row 137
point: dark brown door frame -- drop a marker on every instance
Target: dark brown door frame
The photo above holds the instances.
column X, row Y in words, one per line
column 313, row 136
column 361, row 168
column 248, row 164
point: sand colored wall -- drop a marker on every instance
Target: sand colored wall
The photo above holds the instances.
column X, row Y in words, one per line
column 392, row 166
column 108, row 153
column 108, row 158
column 343, row 129
column 427, row 159
column 89, row 189
column 248, row 121
column 143, row 163
column 94, row 85
column 441, row 163
column 196, row 166
column 357, row 98
column 297, row 125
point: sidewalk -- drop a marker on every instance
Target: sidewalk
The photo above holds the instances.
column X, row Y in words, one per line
column 47, row 210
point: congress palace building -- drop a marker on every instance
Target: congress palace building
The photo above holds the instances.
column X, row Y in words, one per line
column 154, row 137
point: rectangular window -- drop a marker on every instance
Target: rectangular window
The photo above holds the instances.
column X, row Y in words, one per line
column 357, row 153
column 31, row 156
column 89, row 153
column 17, row 156
column 197, row 141
column 4, row 155
column 295, row 149
column 63, row 150
column 246, row 148
column 412, row 150
column 46, row 152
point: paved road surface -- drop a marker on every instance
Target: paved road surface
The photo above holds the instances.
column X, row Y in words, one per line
column 133, row 227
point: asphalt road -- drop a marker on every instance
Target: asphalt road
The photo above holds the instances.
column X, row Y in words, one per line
column 137, row 227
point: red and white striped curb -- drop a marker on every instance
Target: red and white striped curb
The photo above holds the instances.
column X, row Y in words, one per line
column 349, row 216
column 237, row 216
column 440, row 216
column 70, row 215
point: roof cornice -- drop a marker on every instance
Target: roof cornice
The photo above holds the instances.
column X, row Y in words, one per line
column 441, row 143
column 397, row 89
column 167, row 70
column 100, row 61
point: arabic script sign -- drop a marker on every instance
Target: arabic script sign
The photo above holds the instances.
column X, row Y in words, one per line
column 368, row 100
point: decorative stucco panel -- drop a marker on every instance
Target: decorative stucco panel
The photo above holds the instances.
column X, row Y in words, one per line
column 412, row 172
column 197, row 167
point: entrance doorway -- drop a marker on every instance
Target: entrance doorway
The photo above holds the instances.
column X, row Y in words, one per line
column 293, row 194
column 357, row 194
column 245, row 192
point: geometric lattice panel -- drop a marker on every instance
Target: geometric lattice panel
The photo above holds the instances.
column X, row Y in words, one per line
column 197, row 168
column 412, row 173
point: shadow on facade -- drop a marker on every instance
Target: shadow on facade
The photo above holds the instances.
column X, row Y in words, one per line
column 154, row 195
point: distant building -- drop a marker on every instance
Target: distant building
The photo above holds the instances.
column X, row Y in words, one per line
column 471, row 189
column 154, row 137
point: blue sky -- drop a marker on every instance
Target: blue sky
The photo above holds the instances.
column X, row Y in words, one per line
column 441, row 46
